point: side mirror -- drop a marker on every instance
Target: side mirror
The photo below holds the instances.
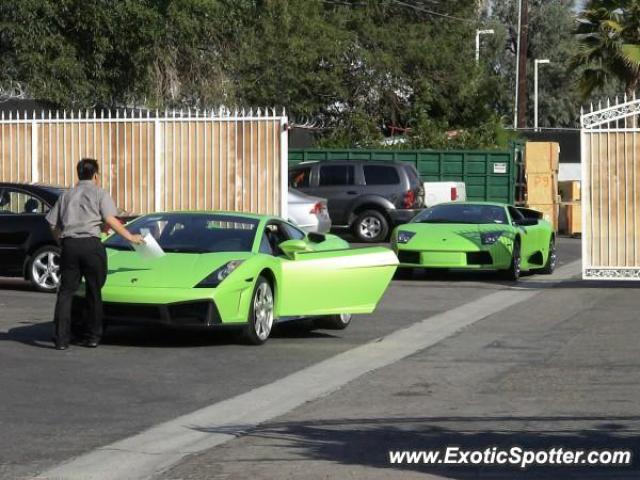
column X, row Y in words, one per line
column 527, row 222
column 291, row 247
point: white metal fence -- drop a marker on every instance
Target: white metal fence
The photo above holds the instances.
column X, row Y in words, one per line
column 218, row 160
column 610, row 140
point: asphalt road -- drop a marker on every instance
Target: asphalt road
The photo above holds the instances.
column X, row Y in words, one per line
column 57, row 405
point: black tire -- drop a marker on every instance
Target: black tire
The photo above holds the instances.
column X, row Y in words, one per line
column 258, row 327
column 334, row 322
column 552, row 259
column 404, row 273
column 513, row 272
column 43, row 269
column 371, row 226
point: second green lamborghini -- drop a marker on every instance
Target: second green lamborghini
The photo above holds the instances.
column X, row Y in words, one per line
column 477, row 235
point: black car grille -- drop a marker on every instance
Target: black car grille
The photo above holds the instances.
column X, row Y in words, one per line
column 408, row 257
column 141, row 312
column 479, row 258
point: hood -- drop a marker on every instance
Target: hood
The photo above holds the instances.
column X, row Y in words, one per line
column 448, row 236
column 174, row 270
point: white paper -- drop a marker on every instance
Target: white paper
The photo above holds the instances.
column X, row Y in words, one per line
column 150, row 248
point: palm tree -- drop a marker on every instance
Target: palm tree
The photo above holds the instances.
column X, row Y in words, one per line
column 609, row 45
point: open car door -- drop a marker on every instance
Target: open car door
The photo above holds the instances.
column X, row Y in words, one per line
column 335, row 281
column 325, row 276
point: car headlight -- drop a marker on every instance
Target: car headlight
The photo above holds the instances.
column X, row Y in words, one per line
column 217, row 276
column 404, row 237
column 489, row 238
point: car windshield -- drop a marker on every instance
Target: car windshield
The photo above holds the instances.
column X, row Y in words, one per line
column 462, row 213
column 192, row 233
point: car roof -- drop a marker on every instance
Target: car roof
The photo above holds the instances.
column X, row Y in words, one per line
column 343, row 160
column 49, row 193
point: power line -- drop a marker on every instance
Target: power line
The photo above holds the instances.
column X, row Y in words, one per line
column 412, row 6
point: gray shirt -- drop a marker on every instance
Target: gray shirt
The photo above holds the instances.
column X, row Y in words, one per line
column 80, row 212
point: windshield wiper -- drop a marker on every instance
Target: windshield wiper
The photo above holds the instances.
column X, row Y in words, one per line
column 184, row 250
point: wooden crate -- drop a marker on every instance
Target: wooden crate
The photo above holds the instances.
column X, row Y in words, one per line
column 542, row 188
column 569, row 191
column 542, row 157
column 574, row 218
column 549, row 212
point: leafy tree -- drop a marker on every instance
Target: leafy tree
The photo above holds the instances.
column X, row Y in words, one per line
column 609, row 36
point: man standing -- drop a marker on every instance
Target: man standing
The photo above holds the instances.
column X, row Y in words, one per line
column 76, row 218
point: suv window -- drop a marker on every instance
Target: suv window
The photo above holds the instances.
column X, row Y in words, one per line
column 380, row 175
column 331, row 175
column 16, row 202
column 299, row 177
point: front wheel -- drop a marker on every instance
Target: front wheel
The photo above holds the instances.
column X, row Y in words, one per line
column 552, row 259
column 371, row 226
column 43, row 269
column 260, row 321
column 334, row 322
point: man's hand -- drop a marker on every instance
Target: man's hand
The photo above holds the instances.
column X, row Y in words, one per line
column 136, row 239
column 114, row 223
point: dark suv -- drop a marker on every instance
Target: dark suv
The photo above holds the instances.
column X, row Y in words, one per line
column 368, row 197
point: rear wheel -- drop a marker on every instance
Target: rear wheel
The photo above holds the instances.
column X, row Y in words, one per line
column 43, row 269
column 334, row 322
column 260, row 321
column 371, row 226
column 513, row 272
column 552, row 259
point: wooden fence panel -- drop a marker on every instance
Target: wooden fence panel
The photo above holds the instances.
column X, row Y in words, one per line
column 172, row 162
column 611, row 192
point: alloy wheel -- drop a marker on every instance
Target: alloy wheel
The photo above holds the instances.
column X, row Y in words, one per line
column 263, row 311
column 370, row 227
column 45, row 270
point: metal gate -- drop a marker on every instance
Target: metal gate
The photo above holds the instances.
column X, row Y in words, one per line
column 219, row 160
column 610, row 139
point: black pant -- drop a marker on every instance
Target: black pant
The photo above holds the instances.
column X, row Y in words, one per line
column 81, row 257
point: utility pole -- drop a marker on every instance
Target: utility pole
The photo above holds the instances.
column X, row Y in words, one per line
column 537, row 62
column 522, row 65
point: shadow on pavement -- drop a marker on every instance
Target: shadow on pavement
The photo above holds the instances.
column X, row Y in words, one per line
column 366, row 442
column 40, row 335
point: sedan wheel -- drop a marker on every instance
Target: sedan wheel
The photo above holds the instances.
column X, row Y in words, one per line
column 261, row 313
column 43, row 270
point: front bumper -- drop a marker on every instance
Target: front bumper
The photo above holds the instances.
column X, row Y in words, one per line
column 198, row 313
column 175, row 306
column 322, row 225
column 401, row 215
column 434, row 259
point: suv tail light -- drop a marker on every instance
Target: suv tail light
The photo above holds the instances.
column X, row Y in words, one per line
column 454, row 193
column 409, row 199
column 317, row 208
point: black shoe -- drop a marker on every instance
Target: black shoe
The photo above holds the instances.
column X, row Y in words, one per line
column 61, row 346
column 89, row 343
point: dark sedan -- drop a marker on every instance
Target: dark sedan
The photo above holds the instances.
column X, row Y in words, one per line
column 27, row 246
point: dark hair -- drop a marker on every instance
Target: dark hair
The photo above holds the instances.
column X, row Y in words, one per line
column 87, row 168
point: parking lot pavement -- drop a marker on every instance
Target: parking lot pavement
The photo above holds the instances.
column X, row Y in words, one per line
column 560, row 369
column 57, row 405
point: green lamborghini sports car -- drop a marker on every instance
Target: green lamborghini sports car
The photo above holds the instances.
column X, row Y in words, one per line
column 476, row 235
column 239, row 269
